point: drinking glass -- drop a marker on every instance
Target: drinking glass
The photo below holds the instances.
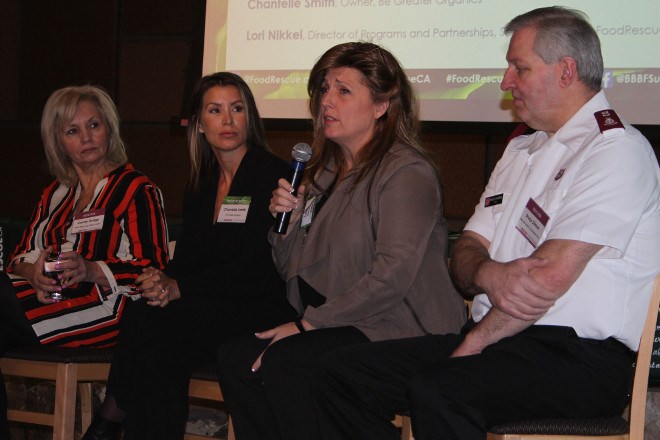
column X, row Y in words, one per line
column 52, row 259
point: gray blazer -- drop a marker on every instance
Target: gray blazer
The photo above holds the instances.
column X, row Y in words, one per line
column 387, row 277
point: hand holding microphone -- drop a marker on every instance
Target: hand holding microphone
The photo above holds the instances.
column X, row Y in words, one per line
column 301, row 154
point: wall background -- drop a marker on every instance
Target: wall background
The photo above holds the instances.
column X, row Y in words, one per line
column 147, row 54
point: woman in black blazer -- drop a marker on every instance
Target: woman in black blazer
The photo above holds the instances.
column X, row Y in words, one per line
column 221, row 281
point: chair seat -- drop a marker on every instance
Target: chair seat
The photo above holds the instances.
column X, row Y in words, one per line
column 66, row 355
column 590, row 427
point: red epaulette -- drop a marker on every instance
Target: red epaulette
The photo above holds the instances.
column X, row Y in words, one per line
column 608, row 120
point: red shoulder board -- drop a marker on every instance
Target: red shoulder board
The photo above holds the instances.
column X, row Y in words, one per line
column 607, row 120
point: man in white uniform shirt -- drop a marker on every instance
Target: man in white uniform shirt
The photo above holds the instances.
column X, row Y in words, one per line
column 560, row 257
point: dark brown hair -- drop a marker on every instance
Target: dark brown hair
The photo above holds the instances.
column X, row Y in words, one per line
column 386, row 80
column 202, row 159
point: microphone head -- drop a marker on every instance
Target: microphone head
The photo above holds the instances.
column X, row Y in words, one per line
column 301, row 152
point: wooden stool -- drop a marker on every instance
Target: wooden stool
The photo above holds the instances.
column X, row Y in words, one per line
column 70, row 369
column 204, row 385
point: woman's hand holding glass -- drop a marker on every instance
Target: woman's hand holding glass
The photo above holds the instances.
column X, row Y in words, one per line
column 34, row 274
column 156, row 287
column 66, row 269
column 74, row 269
column 284, row 201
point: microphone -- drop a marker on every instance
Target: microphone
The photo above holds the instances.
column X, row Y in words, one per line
column 301, row 153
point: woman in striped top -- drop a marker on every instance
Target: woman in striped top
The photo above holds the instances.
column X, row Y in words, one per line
column 109, row 217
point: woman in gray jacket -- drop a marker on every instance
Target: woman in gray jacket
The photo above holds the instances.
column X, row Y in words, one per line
column 364, row 256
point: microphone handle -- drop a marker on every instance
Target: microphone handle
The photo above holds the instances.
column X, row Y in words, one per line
column 282, row 219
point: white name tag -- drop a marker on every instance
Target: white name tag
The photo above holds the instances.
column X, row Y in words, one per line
column 88, row 221
column 308, row 213
column 234, row 209
column 532, row 222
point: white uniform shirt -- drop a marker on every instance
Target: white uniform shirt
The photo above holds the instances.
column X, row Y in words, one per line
column 601, row 188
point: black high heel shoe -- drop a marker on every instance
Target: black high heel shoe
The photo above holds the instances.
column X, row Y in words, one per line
column 102, row 429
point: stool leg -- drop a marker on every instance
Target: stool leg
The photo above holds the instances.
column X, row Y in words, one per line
column 65, row 401
column 230, row 431
column 86, row 406
column 406, row 428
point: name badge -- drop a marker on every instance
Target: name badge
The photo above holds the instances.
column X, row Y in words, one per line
column 234, row 209
column 493, row 200
column 532, row 222
column 308, row 213
column 88, row 221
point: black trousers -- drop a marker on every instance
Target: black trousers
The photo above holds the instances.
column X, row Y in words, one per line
column 15, row 330
column 276, row 401
column 159, row 348
column 544, row 371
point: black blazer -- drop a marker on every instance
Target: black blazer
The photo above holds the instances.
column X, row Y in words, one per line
column 232, row 260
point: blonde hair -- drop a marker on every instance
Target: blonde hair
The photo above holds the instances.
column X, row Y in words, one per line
column 59, row 110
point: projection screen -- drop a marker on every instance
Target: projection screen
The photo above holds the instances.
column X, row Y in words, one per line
column 453, row 50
